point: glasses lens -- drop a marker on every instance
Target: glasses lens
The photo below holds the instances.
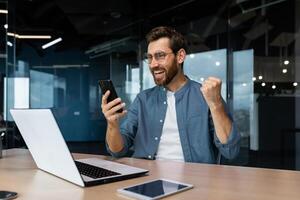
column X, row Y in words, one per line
column 148, row 57
column 160, row 56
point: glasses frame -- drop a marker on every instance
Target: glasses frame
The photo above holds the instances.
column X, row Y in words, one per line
column 159, row 56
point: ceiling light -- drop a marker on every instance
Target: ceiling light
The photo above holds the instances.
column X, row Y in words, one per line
column 3, row 11
column 9, row 43
column 28, row 36
column 34, row 37
column 218, row 63
column 192, row 55
column 273, row 87
column 284, row 71
column 244, row 84
column 254, row 78
column 286, row 62
column 5, row 26
column 202, row 79
column 260, row 77
column 295, row 84
column 263, row 84
column 51, row 43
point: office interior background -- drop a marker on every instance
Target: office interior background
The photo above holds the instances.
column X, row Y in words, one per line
column 252, row 45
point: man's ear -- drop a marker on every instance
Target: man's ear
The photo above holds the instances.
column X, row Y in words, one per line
column 181, row 56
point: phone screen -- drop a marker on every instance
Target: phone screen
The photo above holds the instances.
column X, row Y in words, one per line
column 5, row 195
column 156, row 188
column 108, row 85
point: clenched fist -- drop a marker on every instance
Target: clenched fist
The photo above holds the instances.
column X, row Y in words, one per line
column 211, row 90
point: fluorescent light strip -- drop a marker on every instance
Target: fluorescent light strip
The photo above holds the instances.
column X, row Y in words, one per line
column 51, row 43
column 29, row 36
column 3, row 11
column 34, row 37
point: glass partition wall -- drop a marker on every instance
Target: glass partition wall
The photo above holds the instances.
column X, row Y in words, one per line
column 4, row 44
column 251, row 45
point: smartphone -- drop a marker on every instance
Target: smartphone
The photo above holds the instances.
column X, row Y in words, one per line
column 108, row 85
column 5, row 195
column 154, row 189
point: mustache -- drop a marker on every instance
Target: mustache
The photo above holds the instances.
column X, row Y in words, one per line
column 157, row 68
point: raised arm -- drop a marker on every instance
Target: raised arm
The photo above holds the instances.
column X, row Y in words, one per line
column 211, row 90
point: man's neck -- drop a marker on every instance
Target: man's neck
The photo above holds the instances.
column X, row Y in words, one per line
column 178, row 82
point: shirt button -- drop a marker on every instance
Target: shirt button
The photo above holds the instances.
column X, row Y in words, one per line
column 149, row 156
column 161, row 121
column 156, row 138
column 165, row 102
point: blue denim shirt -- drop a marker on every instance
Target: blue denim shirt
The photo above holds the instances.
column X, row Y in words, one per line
column 143, row 126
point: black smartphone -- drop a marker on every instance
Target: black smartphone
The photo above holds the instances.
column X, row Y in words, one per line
column 108, row 85
column 5, row 195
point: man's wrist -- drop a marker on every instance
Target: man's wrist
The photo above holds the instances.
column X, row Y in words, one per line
column 113, row 125
column 215, row 107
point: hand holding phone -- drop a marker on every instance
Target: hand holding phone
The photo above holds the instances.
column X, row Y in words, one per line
column 106, row 85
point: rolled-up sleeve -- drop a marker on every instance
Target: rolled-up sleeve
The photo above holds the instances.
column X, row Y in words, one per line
column 231, row 149
column 128, row 129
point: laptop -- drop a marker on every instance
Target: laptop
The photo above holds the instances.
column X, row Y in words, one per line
column 51, row 154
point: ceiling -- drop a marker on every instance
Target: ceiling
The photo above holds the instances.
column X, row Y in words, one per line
column 86, row 24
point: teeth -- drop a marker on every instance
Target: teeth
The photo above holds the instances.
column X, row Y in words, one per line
column 158, row 72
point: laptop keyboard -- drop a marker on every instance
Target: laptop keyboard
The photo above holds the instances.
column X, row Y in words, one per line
column 93, row 171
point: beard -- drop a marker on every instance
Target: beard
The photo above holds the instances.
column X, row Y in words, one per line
column 164, row 75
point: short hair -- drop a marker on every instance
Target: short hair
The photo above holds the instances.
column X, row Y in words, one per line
column 177, row 41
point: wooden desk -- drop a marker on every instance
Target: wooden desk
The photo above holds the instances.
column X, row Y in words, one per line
column 19, row 173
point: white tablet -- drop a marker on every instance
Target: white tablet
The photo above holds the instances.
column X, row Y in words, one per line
column 154, row 189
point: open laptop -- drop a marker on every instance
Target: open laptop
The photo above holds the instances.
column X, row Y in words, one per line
column 51, row 154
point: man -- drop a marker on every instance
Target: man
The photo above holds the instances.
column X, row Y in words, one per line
column 178, row 119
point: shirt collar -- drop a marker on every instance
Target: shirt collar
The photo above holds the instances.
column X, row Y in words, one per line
column 181, row 91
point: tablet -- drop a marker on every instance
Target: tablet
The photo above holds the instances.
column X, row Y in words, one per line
column 154, row 189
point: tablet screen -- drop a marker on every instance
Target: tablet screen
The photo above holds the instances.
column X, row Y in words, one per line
column 156, row 188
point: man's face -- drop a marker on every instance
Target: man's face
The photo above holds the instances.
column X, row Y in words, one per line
column 162, row 61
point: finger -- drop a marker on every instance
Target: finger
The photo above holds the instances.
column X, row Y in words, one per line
column 109, row 105
column 117, row 107
column 117, row 116
column 105, row 96
column 113, row 103
column 114, row 109
column 204, row 90
column 215, row 79
column 211, row 83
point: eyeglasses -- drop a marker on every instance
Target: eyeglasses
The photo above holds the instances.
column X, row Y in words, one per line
column 158, row 56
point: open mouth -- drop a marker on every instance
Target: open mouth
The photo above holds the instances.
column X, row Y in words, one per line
column 158, row 74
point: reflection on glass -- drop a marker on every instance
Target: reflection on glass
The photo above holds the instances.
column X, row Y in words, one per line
column 243, row 96
column 16, row 94
column 211, row 63
column 132, row 87
column 148, row 81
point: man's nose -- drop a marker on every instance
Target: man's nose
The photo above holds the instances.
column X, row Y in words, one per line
column 153, row 63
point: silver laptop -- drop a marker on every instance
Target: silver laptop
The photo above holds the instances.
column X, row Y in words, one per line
column 51, row 154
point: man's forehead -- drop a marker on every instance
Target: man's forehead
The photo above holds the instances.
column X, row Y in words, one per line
column 161, row 44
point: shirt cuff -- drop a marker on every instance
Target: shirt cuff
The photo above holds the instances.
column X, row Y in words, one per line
column 119, row 154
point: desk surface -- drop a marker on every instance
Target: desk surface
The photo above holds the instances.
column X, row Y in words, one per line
column 19, row 173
